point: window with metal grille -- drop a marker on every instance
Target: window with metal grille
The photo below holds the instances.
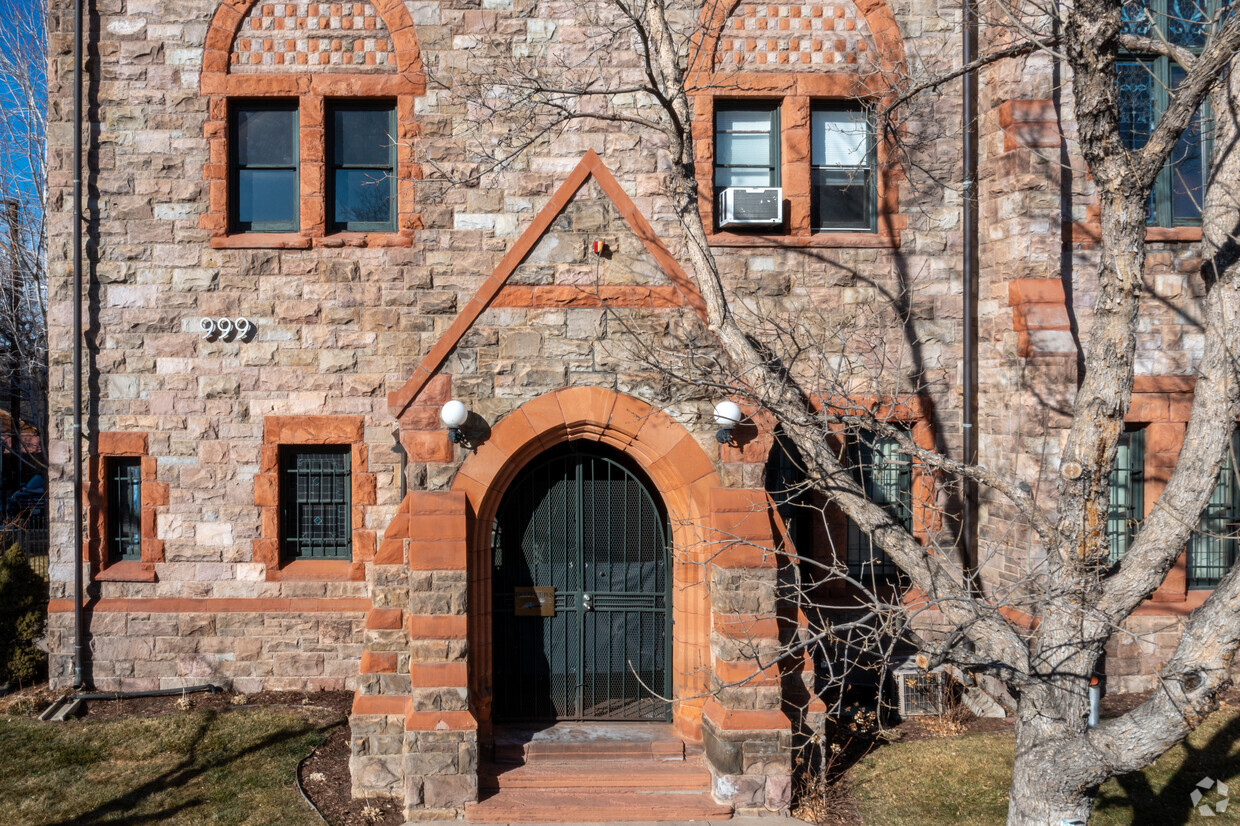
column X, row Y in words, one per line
column 1212, row 547
column 124, row 495
column 886, row 474
column 1127, row 507
column 363, row 174
column 315, row 507
column 1146, row 85
column 264, row 147
column 841, row 168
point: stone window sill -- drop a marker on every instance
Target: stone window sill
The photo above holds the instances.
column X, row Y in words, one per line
column 318, row 570
column 131, row 570
column 829, row 240
column 1091, row 232
column 297, row 241
column 262, row 241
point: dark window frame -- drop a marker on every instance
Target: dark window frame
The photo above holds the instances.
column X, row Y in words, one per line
column 331, row 108
column 1226, row 512
column 293, row 546
column 1124, row 519
column 235, row 108
column 1160, row 69
column 866, row 561
column 123, row 478
column 772, row 107
column 871, row 182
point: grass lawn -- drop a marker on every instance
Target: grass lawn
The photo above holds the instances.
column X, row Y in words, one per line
column 194, row 767
column 963, row 781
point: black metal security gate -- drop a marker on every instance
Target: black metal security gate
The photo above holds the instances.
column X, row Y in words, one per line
column 580, row 593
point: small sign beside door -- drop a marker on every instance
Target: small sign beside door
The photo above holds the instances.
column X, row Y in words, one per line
column 537, row 601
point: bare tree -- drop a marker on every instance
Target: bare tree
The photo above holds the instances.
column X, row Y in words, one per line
column 23, row 242
column 801, row 372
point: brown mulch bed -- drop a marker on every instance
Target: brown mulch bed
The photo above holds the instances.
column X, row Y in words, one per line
column 331, row 794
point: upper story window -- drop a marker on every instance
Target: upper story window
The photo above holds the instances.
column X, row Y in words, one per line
column 363, row 174
column 1127, row 505
column 265, row 167
column 1146, row 85
column 746, row 145
column 842, row 168
column 885, row 472
column 1212, row 547
column 315, row 506
column 310, row 124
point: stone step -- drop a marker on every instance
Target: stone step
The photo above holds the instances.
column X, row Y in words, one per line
column 593, row 806
column 689, row 775
column 659, row 751
column 589, row 741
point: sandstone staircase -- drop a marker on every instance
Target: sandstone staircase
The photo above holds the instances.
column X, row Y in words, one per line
column 593, row 773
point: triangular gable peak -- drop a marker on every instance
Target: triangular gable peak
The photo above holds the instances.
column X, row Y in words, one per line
column 493, row 292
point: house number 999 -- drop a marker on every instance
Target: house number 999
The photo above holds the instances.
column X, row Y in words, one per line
column 225, row 328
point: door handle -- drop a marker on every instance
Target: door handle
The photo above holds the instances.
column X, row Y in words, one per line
column 585, row 603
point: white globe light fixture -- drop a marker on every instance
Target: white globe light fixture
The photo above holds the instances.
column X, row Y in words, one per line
column 454, row 414
column 727, row 416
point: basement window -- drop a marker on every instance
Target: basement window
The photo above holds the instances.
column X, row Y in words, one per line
column 124, row 513
column 315, row 506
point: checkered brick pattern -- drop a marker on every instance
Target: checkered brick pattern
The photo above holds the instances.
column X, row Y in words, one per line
column 307, row 36
column 777, row 37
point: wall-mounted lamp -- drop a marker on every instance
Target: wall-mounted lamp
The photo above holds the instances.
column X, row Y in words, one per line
column 454, row 414
column 727, row 416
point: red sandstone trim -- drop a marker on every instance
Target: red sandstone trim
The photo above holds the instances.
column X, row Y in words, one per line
column 313, row 430
column 1029, row 124
column 440, row 721
column 796, row 93
column 1088, row 233
column 590, row 166
column 727, row 719
column 386, row 704
column 155, row 495
column 231, row 605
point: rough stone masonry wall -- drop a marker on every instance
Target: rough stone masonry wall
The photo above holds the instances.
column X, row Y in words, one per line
column 338, row 328
column 1039, row 223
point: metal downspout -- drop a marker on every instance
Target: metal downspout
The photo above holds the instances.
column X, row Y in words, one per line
column 79, row 630
column 972, row 557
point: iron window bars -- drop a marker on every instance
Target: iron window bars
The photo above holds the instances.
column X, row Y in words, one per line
column 886, row 474
column 1127, row 504
column 124, row 499
column 315, row 503
column 265, row 167
column 1212, row 547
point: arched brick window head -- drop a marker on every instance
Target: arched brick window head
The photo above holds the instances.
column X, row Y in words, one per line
column 310, row 123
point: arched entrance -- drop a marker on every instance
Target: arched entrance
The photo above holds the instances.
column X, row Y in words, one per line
column 580, row 591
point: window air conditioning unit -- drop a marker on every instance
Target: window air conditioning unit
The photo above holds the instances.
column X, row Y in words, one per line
column 742, row 206
column 918, row 692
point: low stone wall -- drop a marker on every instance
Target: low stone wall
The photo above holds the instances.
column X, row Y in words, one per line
column 248, row 652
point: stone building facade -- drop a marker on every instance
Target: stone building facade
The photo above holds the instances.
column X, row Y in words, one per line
column 534, row 294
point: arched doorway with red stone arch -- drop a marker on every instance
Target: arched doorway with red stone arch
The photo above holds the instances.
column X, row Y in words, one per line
column 681, row 476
